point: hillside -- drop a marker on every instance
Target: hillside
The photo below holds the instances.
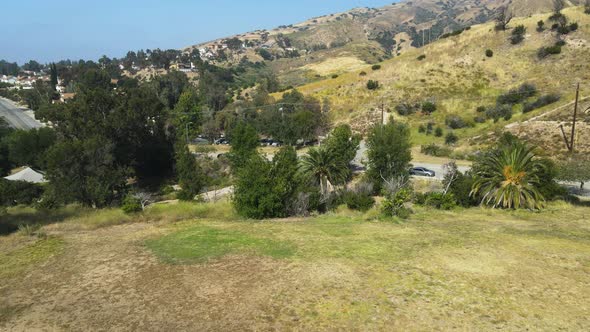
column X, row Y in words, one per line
column 367, row 34
column 457, row 76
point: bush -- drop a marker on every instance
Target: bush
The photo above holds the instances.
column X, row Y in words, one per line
column 517, row 35
column 489, row 53
column 540, row 26
column 480, row 109
column 405, row 109
column 451, row 139
column 421, row 57
column 547, row 51
column 363, row 73
column 479, row 119
column 372, row 85
column 438, row 132
column 359, row 198
column 131, row 204
column 440, row 201
column 376, row 67
column 428, row 107
column 515, row 96
column 19, row 192
column 542, row 101
column 573, row 27
column 335, row 76
column 437, row 200
column 435, row 150
column 421, row 129
column 455, row 122
column 459, row 185
column 394, row 204
column 500, row 112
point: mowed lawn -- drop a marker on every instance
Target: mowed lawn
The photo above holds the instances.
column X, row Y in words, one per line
column 198, row 267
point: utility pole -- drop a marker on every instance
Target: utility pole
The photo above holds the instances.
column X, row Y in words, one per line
column 575, row 118
column 422, row 37
column 382, row 112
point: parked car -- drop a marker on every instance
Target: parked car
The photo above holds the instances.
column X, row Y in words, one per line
column 222, row 141
column 422, row 171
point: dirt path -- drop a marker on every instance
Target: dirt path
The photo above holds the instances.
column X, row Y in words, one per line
column 107, row 280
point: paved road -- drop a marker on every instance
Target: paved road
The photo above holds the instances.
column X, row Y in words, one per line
column 361, row 157
column 17, row 117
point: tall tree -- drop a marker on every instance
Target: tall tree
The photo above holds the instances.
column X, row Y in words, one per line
column 244, row 142
column 189, row 174
column 389, row 152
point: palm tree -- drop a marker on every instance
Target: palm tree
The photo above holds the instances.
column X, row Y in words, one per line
column 324, row 167
column 510, row 178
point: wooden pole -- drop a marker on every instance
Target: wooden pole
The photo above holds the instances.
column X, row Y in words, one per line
column 572, row 140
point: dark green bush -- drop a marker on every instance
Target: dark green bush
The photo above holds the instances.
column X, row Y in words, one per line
column 500, row 112
column 517, row 35
column 428, row 107
column 372, row 85
column 547, row 51
column 438, row 132
column 421, row 57
column 440, row 201
column 394, row 205
column 542, row 101
column 360, row 201
column 376, row 67
column 406, row 109
column 455, row 122
column 363, row 73
column 19, row 192
column 451, row 139
column 131, row 204
column 489, row 53
column 515, row 96
column 435, row 150
column 480, row 109
column 479, row 119
column 540, row 26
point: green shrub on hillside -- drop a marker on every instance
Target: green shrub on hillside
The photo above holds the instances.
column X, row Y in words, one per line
column 489, row 53
column 515, row 96
column 428, row 107
column 376, row 67
column 517, row 35
column 372, row 85
column 451, row 138
column 542, row 101
column 455, row 122
column 421, row 57
column 406, row 108
column 547, row 51
column 435, row 150
column 438, row 132
column 541, row 26
column 500, row 112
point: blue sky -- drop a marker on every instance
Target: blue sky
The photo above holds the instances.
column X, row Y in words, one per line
column 83, row 29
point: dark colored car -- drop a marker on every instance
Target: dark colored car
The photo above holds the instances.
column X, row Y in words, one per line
column 422, row 171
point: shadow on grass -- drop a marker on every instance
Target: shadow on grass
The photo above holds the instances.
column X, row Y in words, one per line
column 17, row 216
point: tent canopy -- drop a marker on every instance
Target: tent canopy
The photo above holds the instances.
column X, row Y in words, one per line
column 28, row 175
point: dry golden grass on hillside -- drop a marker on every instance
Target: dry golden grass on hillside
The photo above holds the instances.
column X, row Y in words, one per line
column 459, row 77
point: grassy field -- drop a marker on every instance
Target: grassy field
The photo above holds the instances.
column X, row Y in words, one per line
column 199, row 267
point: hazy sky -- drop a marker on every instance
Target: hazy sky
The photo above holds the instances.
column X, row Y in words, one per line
column 49, row 30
